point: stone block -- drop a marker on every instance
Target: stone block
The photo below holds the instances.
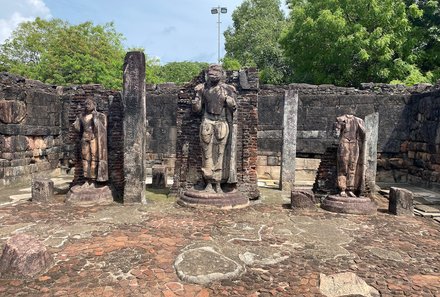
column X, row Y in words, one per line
column 401, row 202
column 42, row 189
column 24, row 257
column 302, row 199
column 12, row 111
column 273, row 161
column 160, row 176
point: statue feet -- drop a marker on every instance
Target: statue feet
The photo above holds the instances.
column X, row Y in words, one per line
column 209, row 188
column 216, row 189
column 351, row 194
column 347, row 193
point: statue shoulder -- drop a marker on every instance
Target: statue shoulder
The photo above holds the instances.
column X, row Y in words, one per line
column 199, row 88
column 229, row 88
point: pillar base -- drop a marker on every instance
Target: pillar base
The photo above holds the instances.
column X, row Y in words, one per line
column 349, row 205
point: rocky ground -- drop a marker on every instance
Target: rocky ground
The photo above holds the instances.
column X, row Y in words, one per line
column 162, row 249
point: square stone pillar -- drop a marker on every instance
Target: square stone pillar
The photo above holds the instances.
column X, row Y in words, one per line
column 160, row 177
column 42, row 190
column 401, row 202
column 134, row 102
column 289, row 140
column 372, row 130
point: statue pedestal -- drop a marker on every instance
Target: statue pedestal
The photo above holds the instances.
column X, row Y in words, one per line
column 349, row 205
column 87, row 196
column 202, row 199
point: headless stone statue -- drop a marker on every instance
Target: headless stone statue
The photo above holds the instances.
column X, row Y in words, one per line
column 93, row 127
column 350, row 165
column 217, row 101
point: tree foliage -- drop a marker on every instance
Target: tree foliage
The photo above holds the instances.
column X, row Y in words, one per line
column 346, row 42
column 253, row 38
column 56, row 52
column 425, row 20
column 178, row 72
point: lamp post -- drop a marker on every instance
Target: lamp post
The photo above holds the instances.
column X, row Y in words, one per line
column 218, row 10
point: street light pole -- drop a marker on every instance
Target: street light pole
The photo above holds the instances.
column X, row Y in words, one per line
column 219, row 10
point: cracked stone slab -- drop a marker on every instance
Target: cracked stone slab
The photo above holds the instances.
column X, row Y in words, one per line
column 118, row 215
column 345, row 284
column 385, row 254
column 324, row 238
column 262, row 258
column 203, row 265
column 6, row 231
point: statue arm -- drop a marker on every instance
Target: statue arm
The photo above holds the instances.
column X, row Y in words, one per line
column 231, row 96
column 361, row 130
column 77, row 124
column 197, row 101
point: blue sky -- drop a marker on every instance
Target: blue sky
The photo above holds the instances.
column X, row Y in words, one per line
column 172, row 30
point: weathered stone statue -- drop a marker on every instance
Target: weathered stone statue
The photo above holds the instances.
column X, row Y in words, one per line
column 217, row 101
column 93, row 127
column 350, row 163
column 350, row 169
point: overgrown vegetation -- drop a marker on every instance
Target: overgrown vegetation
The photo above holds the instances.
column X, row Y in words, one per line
column 339, row 41
column 342, row 42
column 56, row 52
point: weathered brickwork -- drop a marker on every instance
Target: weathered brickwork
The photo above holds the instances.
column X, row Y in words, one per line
column 30, row 136
column 162, row 129
column 109, row 103
column 36, row 138
column 188, row 153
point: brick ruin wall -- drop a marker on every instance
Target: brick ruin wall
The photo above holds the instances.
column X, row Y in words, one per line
column 107, row 102
column 162, row 128
column 35, row 120
column 408, row 139
column 188, row 151
column 30, row 134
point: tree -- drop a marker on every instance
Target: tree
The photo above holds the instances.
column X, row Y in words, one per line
column 59, row 53
column 346, row 42
column 425, row 19
column 253, row 38
column 180, row 72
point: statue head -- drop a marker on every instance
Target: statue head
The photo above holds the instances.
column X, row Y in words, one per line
column 90, row 105
column 215, row 73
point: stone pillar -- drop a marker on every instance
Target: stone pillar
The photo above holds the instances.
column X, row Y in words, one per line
column 42, row 189
column 401, row 202
column 134, row 103
column 289, row 140
column 372, row 127
column 160, row 178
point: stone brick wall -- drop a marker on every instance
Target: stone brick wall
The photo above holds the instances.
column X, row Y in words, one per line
column 30, row 135
column 419, row 158
column 161, row 118
column 188, row 152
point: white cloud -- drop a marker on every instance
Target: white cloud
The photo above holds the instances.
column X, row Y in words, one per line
column 17, row 11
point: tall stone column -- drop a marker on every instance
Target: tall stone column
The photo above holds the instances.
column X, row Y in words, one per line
column 134, row 103
column 289, row 140
column 372, row 128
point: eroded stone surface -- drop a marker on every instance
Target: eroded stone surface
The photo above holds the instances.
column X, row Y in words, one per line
column 12, row 111
column 345, row 284
column 204, row 265
column 24, row 257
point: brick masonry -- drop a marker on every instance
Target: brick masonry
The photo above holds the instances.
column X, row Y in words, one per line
column 187, row 172
column 108, row 102
column 30, row 134
column 41, row 141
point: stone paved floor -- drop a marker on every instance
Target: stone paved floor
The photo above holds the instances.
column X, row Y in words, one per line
column 123, row 250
